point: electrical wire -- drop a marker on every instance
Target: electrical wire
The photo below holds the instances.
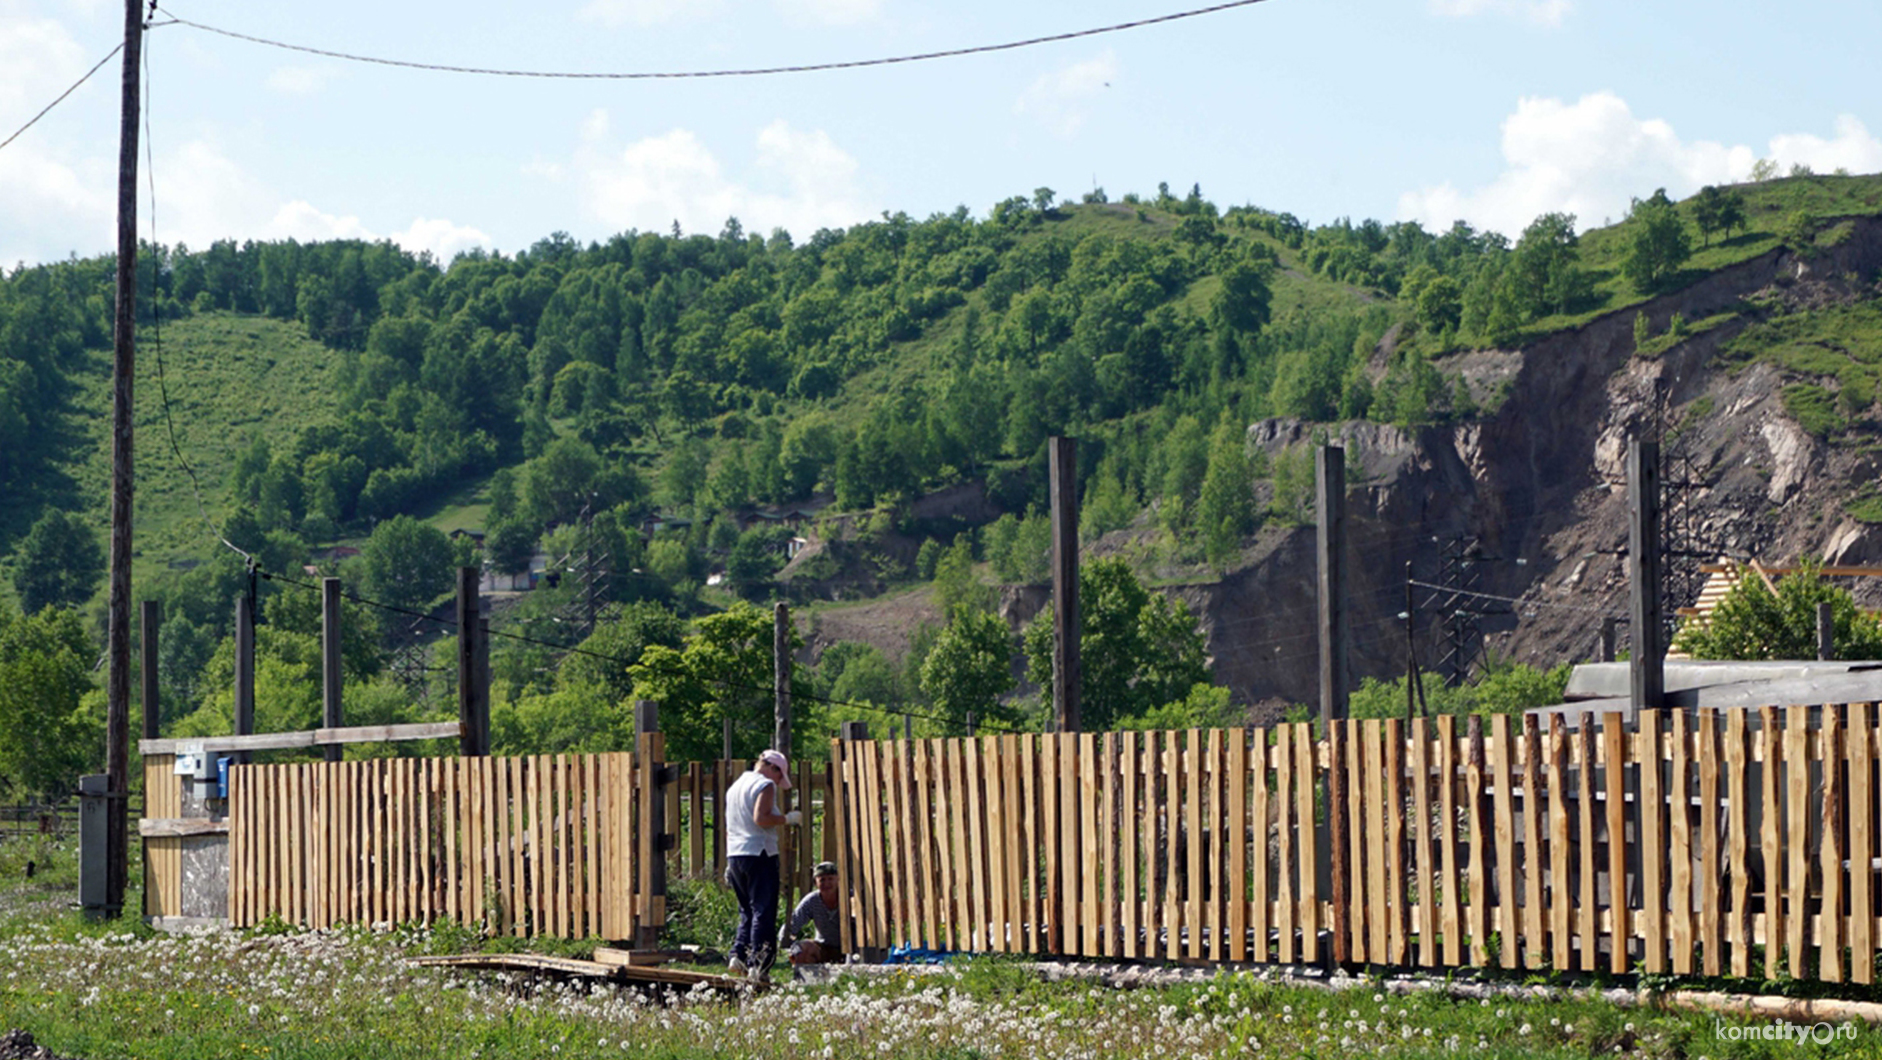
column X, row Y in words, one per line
column 622, row 662
column 761, row 71
column 156, row 328
column 48, row 108
column 1518, row 600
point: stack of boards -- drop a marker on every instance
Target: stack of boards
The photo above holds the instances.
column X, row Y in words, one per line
column 622, row 966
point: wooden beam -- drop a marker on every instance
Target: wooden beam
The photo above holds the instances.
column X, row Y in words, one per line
column 173, row 827
column 276, row 741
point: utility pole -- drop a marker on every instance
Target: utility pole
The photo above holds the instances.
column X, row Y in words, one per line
column 781, row 677
column 1330, row 546
column 332, row 713
column 124, row 364
column 1643, row 574
column 1063, row 458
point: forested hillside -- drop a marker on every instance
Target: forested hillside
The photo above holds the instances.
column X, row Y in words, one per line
column 560, row 397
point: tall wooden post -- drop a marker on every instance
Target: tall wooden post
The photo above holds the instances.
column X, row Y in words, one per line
column 1063, row 458
column 1826, row 632
column 244, row 665
column 151, row 630
column 1329, row 545
column 1607, row 638
column 781, row 677
column 653, row 840
column 1643, row 573
column 725, row 739
column 332, row 715
column 1411, row 643
column 124, row 363
column 473, row 710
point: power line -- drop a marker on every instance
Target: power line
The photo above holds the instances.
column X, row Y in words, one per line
column 1515, row 599
column 156, row 324
column 760, row 71
column 48, row 108
column 619, row 661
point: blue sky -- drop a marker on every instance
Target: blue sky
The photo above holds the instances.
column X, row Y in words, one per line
column 1432, row 110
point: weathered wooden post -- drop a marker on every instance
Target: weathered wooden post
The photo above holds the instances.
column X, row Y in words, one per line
column 244, row 666
column 654, row 841
column 1643, row 574
column 473, row 708
column 152, row 622
column 781, row 677
column 1330, row 546
column 1063, row 477
column 332, row 715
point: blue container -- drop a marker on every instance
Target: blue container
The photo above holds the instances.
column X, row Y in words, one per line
column 222, row 777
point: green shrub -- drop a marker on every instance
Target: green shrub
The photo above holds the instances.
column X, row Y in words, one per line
column 1814, row 408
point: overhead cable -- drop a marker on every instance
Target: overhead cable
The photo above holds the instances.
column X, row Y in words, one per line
column 757, row 71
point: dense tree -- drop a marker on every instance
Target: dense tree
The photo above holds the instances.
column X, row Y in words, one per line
column 47, row 735
column 723, row 670
column 406, row 563
column 1138, row 650
column 58, row 563
column 1225, row 507
column 970, row 668
column 1752, row 622
column 1717, row 210
column 1656, row 242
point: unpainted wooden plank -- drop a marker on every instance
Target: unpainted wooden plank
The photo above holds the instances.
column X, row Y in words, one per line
column 1861, row 841
column 1738, row 922
column 1830, row 932
column 1535, row 923
column 1478, row 913
column 1449, row 924
column 901, row 827
column 1305, row 770
column 1238, row 843
column 1770, row 838
column 1109, row 785
column 979, row 905
column 1505, row 920
column 1588, row 928
column 927, row 863
column 1422, row 848
column 1797, row 811
column 1652, row 803
column 1679, row 792
column 993, row 785
column 1258, row 842
column 950, row 830
column 1287, row 894
column 1028, row 764
column 1614, row 784
column 1193, row 881
column 875, row 764
column 1711, row 893
column 1398, row 887
column 1561, row 897
column 1072, row 839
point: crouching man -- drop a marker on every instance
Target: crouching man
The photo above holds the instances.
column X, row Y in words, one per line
column 819, row 908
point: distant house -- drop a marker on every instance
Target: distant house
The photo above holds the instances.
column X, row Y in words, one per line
column 657, row 522
column 493, row 582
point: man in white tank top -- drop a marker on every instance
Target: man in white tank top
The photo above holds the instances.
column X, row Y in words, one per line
column 751, row 859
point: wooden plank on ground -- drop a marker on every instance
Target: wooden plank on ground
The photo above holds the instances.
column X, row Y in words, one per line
column 1830, row 931
column 1861, row 840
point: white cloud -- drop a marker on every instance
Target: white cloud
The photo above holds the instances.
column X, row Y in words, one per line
column 831, row 12
column 300, row 80
column 617, row 13
column 1540, row 12
column 1059, row 100
column 1593, row 156
column 442, row 238
column 60, row 185
column 800, row 181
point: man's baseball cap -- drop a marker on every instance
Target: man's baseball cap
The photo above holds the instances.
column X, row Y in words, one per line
column 776, row 758
column 824, row 868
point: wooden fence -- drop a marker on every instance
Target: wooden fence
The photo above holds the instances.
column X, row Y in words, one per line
column 540, row 845
column 1713, row 843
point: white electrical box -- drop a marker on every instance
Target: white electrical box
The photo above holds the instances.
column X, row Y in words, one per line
column 191, row 761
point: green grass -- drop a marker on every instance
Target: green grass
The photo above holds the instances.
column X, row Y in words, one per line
column 230, row 378
column 1839, row 343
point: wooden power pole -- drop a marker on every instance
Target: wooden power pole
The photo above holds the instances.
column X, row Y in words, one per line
column 1643, row 574
column 1063, row 457
column 124, row 363
column 1330, row 545
column 781, row 677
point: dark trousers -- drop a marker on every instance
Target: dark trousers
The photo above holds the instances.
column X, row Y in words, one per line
column 754, row 879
